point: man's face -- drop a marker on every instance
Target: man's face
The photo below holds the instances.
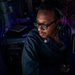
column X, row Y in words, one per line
column 45, row 17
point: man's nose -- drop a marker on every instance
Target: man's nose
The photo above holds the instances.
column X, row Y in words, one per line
column 40, row 28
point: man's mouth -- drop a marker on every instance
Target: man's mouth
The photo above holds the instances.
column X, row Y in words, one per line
column 41, row 33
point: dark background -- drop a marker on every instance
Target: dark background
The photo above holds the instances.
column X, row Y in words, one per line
column 22, row 13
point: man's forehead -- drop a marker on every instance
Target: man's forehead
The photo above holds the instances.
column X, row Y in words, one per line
column 45, row 16
column 43, row 11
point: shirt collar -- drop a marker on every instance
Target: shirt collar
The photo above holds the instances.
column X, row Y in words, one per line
column 46, row 40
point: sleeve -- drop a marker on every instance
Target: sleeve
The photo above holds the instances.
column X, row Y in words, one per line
column 30, row 65
column 62, row 47
column 65, row 37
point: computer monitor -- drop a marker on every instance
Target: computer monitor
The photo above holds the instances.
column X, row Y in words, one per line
column 73, row 43
column 1, row 28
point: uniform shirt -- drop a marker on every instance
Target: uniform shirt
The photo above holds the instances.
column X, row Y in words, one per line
column 43, row 56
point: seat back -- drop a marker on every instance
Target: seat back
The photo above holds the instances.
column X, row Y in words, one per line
column 73, row 43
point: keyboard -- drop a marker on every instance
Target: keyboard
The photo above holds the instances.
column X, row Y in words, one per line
column 18, row 28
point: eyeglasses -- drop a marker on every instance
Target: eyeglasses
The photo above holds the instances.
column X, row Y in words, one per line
column 45, row 26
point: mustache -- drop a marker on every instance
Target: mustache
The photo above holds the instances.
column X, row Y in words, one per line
column 40, row 32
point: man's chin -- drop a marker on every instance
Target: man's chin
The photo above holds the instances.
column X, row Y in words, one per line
column 43, row 36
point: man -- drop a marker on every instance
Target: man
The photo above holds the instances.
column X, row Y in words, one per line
column 46, row 45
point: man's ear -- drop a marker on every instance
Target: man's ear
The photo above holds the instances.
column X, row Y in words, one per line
column 59, row 26
column 58, row 21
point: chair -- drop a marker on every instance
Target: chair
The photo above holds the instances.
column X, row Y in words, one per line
column 2, row 66
column 73, row 43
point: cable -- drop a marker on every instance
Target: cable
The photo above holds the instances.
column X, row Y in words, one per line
column 3, row 0
column 3, row 12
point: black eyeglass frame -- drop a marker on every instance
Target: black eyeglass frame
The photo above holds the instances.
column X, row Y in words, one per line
column 45, row 26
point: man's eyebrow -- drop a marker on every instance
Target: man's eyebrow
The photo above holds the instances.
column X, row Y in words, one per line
column 41, row 23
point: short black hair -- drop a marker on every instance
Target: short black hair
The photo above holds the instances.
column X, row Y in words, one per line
column 51, row 6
